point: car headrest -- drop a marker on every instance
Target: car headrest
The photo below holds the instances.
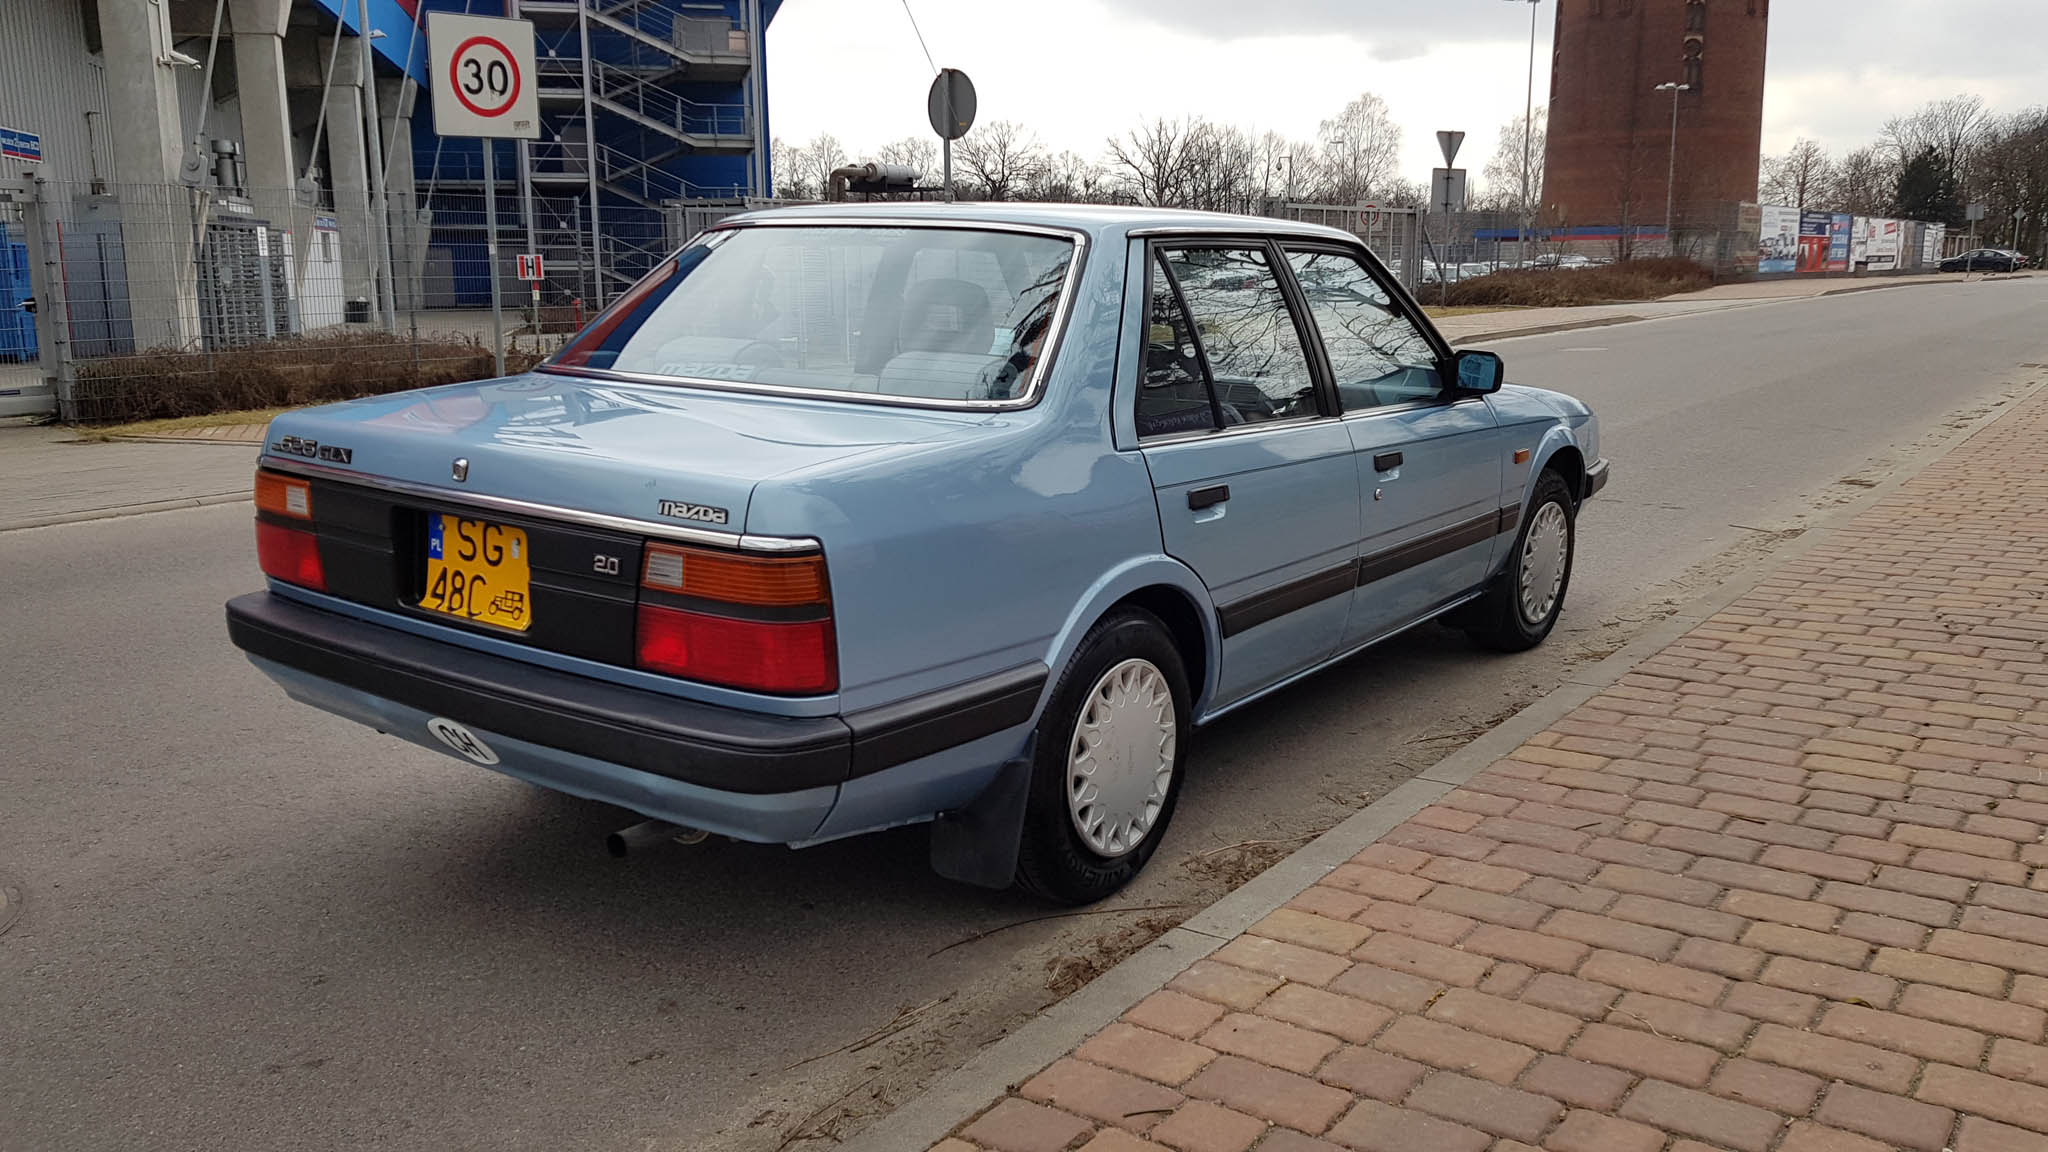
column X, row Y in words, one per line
column 946, row 316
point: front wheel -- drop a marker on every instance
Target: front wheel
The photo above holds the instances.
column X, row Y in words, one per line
column 1108, row 759
column 1521, row 606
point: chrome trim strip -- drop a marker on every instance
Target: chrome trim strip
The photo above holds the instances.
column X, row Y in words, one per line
column 742, row 541
column 1248, row 227
column 1033, row 388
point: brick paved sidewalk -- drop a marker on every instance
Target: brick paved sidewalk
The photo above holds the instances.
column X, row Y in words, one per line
column 1782, row 888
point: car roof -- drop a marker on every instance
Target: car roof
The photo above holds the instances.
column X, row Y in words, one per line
column 1100, row 221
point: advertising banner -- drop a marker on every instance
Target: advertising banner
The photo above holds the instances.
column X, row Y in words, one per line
column 1838, row 242
column 1884, row 245
column 1778, row 240
column 1932, row 243
column 1813, row 240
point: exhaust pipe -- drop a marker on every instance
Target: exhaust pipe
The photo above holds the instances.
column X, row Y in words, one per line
column 648, row 833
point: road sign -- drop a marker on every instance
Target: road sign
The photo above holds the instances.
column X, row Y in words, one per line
column 483, row 76
column 529, row 266
column 16, row 144
column 1450, row 142
column 1369, row 217
column 951, row 104
column 1447, row 189
column 1978, row 211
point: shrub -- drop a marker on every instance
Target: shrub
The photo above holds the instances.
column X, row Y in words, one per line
column 166, row 382
column 1570, row 287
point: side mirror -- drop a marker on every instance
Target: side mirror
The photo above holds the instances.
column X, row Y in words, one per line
column 1478, row 373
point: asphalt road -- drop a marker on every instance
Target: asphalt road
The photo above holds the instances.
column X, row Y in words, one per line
column 248, row 925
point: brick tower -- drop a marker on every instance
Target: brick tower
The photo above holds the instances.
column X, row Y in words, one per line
column 1608, row 150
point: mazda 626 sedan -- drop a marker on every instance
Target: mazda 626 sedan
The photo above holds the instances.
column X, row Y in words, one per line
column 846, row 518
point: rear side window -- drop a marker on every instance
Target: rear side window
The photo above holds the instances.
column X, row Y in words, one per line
column 942, row 314
column 1221, row 337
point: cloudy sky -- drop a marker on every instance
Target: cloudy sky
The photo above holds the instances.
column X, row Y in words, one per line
column 1077, row 71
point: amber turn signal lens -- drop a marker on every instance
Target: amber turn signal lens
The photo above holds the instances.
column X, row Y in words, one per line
column 284, row 495
column 736, row 579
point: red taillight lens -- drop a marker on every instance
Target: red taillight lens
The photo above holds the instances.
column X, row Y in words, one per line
column 289, row 555
column 791, row 659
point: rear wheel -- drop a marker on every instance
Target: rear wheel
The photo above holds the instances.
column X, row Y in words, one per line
column 1109, row 752
column 1521, row 606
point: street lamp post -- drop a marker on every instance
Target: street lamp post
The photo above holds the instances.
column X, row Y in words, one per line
column 1528, row 127
column 1671, row 180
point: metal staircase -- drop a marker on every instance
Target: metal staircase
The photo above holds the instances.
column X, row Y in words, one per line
column 617, row 129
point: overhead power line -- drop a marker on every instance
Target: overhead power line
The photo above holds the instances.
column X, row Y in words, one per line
column 920, row 35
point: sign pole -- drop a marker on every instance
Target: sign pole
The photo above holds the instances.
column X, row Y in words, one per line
column 491, row 247
column 946, row 142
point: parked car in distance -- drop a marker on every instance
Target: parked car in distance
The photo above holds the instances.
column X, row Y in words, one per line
column 1984, row 260
column 847, row 518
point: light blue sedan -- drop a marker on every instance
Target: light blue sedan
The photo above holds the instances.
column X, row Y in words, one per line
column 848, row 518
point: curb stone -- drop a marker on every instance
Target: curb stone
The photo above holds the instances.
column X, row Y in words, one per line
column 240, row 496
column 953, row 1099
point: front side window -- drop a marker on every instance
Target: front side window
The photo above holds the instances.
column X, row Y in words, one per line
column 1246, row 332
column 1378, row 357
column 944, row 314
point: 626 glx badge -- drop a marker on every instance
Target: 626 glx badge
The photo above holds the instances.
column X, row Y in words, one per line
column 312, row 450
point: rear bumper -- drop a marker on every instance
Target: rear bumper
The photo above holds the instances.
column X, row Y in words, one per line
column 745, row 774
column 1596, row 479
column 701, row 744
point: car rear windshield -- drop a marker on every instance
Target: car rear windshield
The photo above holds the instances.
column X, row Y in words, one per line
column 938, row 314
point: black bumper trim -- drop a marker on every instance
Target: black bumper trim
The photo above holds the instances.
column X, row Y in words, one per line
column 896, row 733
column 703, row 744
column 1596, row 478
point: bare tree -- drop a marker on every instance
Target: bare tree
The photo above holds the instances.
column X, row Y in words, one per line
column 2011, row 178
column 1068, row 177
column 1153, row 160
column 813, row 164
column 1804, row 176
column 1001, row 156
column 1504, row 172
column 786, row 170
column 1867, row 181
column 1361, row 150
column 920, row 154
column 1950, row 127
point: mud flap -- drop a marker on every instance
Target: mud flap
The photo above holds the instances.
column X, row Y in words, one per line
column 978, row 844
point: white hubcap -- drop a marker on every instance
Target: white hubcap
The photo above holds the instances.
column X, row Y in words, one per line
column 1120, row 762
column 1546, row 557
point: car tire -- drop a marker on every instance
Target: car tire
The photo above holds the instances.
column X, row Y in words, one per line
column 1515, row 614
column 1079, row 846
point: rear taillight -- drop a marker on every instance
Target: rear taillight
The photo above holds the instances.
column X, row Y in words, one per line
column 284, row 495
column 289, row 554
column 760, row 623
column 286, row 548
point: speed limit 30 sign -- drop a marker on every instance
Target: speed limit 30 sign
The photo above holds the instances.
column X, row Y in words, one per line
column 483, row 76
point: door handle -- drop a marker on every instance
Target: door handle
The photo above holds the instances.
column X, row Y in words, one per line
column 1386, row 461
column 1200, row 498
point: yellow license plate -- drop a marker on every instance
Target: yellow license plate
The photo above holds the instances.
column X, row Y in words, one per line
column 479, row 571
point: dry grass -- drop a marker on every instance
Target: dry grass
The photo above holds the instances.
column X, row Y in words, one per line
column 178, row 424
column 168, row 383
column 1572, row 287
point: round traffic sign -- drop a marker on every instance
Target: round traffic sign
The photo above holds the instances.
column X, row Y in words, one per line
column 950, row 104
column 484, row 75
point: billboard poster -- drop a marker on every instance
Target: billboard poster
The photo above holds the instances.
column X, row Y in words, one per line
column 1813, row 240
column 1778, row 240
column 1884, row 245
column 1838, row 242
column 1932, row 243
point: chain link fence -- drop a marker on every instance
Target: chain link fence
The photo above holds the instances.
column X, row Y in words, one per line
column 164, row 300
